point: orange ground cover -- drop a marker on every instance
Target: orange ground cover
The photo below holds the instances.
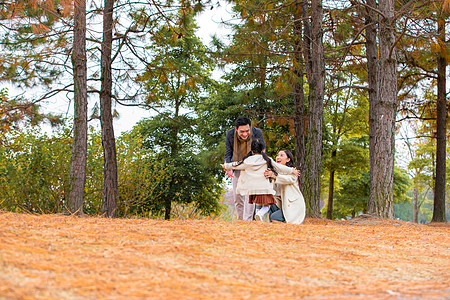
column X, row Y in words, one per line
column 62, row 257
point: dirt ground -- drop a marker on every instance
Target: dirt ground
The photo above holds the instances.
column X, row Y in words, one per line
column 63, row 257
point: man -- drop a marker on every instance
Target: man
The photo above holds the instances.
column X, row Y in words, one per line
column 237, row 145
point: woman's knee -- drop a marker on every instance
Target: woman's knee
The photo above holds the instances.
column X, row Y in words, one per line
column 277, row 216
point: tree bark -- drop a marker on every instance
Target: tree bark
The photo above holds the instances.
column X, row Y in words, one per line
column 441, row 126
column 316, row 93
column 168, row 208
column 371, row 21
column 109, row 203
column 299, row 106
column 372, row 58
column 382, row 120
column 415, row 205
column 306, row 39
column 331, row 189
column 173, row 155
column 77, row 176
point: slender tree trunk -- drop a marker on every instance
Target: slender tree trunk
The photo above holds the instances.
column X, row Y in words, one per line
column 168, row 208
column 77, row 176
column 306, row 39
column 299, row 110
column 331, row 189
column 415, row 205
column 109, row 203
column 441, row 124
column 383, row 118
column 316, row 93
column 372, row 58
column 173, row 155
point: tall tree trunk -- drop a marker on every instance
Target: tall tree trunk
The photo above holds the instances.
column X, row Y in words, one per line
column 173, row 155
column 441, row 124
column 383, row 118
column 306, row 39
column 415, row 205
column 299, row 106
column 109, row 203
column 168, row 208
column 316, row 93
column 77, row 176
column 331, row 189
column 372, row 59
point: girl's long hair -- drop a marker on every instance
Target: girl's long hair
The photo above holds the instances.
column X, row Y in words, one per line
column 257, row 148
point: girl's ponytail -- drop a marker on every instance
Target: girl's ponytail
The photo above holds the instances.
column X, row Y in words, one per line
column 269, row 162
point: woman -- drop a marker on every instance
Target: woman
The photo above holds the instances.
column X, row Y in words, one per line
column 288, row 195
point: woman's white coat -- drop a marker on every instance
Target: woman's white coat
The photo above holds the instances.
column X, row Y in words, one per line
column 291, row 200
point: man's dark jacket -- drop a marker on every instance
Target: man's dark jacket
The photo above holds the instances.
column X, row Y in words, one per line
column 229, row 142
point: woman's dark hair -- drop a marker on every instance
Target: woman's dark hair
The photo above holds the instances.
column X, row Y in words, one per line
column 290, row 163
column 242, row 121
column 257, row 148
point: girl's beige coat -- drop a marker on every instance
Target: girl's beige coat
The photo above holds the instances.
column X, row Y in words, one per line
column 252, row 180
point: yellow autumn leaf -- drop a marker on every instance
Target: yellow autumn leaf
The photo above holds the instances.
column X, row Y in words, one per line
column 446, row 6
column 163, row 78
column 435, row 47
column 190, row 82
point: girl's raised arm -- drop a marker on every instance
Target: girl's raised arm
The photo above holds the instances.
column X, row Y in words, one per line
column 233, row 165
column 284, row 169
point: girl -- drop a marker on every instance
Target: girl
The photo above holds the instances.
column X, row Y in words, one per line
column 288, row 195
column 252, row 181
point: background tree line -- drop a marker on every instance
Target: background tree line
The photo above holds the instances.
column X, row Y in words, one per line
column 333, row 81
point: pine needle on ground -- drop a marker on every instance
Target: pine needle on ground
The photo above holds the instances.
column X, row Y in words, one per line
column 62, row 257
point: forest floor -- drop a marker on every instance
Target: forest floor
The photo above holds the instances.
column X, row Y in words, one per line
column 64, row 257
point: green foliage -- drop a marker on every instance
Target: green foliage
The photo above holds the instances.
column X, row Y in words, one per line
column 350, row 163
column 221, row 109
column 182, row 176
column 352, row 196
column 180, row 69
column 176, row 154
column 260, row 77
column 35, row 168
column 402, row 184
column 353, row 179
column 94, row 174
column 404, row 210
column 34, row 42
column 34, row 171
column 176, row 80
column 142, row 178
column 346, row 131
column 167, row 134
column 422, row 168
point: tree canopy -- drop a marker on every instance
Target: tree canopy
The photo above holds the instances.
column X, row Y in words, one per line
column 338, row 83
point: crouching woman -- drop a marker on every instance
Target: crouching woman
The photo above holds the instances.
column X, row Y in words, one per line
column 290, row 207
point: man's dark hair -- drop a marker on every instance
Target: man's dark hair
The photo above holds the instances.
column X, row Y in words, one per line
column 242, row 121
